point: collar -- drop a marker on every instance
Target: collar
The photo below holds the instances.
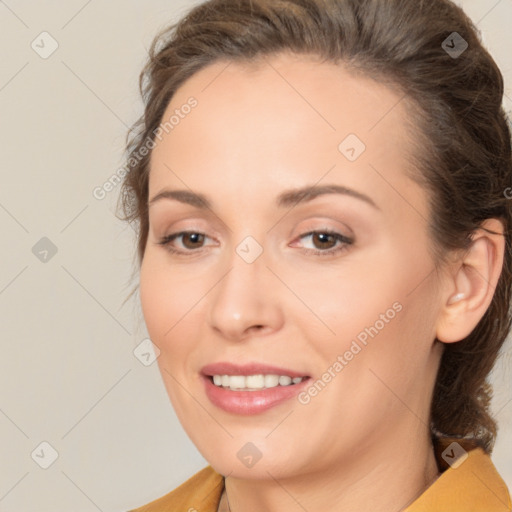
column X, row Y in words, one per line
column 469, row 482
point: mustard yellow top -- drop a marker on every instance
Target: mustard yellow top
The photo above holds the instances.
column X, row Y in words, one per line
column 469, row 484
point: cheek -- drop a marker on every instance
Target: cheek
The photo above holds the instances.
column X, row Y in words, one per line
column 169, row 305
column 349, row 296
column 381, row 301
column 174, row 314
column 155, row 304
column 166, row 297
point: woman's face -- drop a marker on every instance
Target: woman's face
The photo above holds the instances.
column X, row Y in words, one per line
column 307, row 255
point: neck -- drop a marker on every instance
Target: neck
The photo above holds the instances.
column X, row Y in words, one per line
column 406, row 469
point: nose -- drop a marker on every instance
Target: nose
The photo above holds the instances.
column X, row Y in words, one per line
column 245, row 302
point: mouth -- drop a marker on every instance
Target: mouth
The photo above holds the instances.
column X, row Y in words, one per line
column 251, row 388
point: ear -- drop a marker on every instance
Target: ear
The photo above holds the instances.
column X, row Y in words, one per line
column 471, row 283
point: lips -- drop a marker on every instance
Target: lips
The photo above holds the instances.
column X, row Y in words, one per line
column 242, row 402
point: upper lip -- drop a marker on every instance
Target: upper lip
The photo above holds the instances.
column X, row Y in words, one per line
column 226, row 368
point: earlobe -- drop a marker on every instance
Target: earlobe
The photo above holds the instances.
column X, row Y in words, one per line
column 472, row 283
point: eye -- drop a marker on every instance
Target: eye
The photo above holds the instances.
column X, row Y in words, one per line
column 189, row 241
column 326, row 243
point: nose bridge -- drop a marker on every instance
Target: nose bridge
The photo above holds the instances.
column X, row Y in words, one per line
column 243, row 300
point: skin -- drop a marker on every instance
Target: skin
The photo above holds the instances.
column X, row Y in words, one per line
column 363, row 442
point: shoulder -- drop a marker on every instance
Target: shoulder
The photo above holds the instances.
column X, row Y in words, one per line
column 471, row 483
column 201, row 492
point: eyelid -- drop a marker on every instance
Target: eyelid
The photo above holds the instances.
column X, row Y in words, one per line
column 167, row 225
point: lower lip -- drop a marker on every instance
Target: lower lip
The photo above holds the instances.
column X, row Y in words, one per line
column 251, row 402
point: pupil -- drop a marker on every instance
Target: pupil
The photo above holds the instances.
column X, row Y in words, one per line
column 325, row 240
column 195, row 238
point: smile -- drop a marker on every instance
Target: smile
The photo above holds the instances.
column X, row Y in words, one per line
column 254, row 382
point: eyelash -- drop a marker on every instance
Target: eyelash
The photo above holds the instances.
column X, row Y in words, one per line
column 345, row 241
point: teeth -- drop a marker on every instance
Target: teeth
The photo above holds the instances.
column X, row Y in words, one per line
column 284, row 380
column 271, row 381
column 254, row 382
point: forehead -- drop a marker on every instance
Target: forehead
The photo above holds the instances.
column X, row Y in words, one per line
column 288, row 118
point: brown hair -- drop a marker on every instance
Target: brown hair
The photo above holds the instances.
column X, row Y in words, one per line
column 463, row 140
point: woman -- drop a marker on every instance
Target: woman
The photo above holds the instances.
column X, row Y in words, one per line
column 325, row 252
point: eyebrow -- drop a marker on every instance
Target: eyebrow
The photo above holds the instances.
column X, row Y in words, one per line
column 284, row 200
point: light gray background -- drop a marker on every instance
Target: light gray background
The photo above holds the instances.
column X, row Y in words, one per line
column 68, row 375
